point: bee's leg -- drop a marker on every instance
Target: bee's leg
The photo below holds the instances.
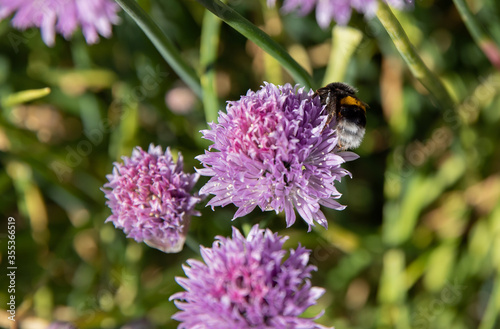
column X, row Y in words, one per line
column 331, row 108
column 328, row 120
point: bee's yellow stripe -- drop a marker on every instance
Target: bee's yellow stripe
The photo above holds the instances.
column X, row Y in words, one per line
column 349, row 100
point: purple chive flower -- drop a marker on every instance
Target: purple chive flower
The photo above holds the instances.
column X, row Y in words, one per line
column 337, row 10
column 149, row 196
column 63, row 16
column 247, row 283
column 274, row 153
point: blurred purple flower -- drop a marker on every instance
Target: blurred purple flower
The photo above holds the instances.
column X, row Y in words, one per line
column 275, row 154
column 246, row 283
column 337, row 10
column 63, row 16
column 149, row 196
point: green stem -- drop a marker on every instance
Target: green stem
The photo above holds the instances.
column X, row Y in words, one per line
column 208, row 55
column 487, row 45
column 490, row 315
column 260, row 38
column 163, row 44
column 411, row 57
column 24, row 96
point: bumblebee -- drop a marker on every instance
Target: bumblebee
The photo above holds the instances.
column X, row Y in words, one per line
column 341, row 103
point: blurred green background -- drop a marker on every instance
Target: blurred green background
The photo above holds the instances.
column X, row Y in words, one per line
column 417, row 247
